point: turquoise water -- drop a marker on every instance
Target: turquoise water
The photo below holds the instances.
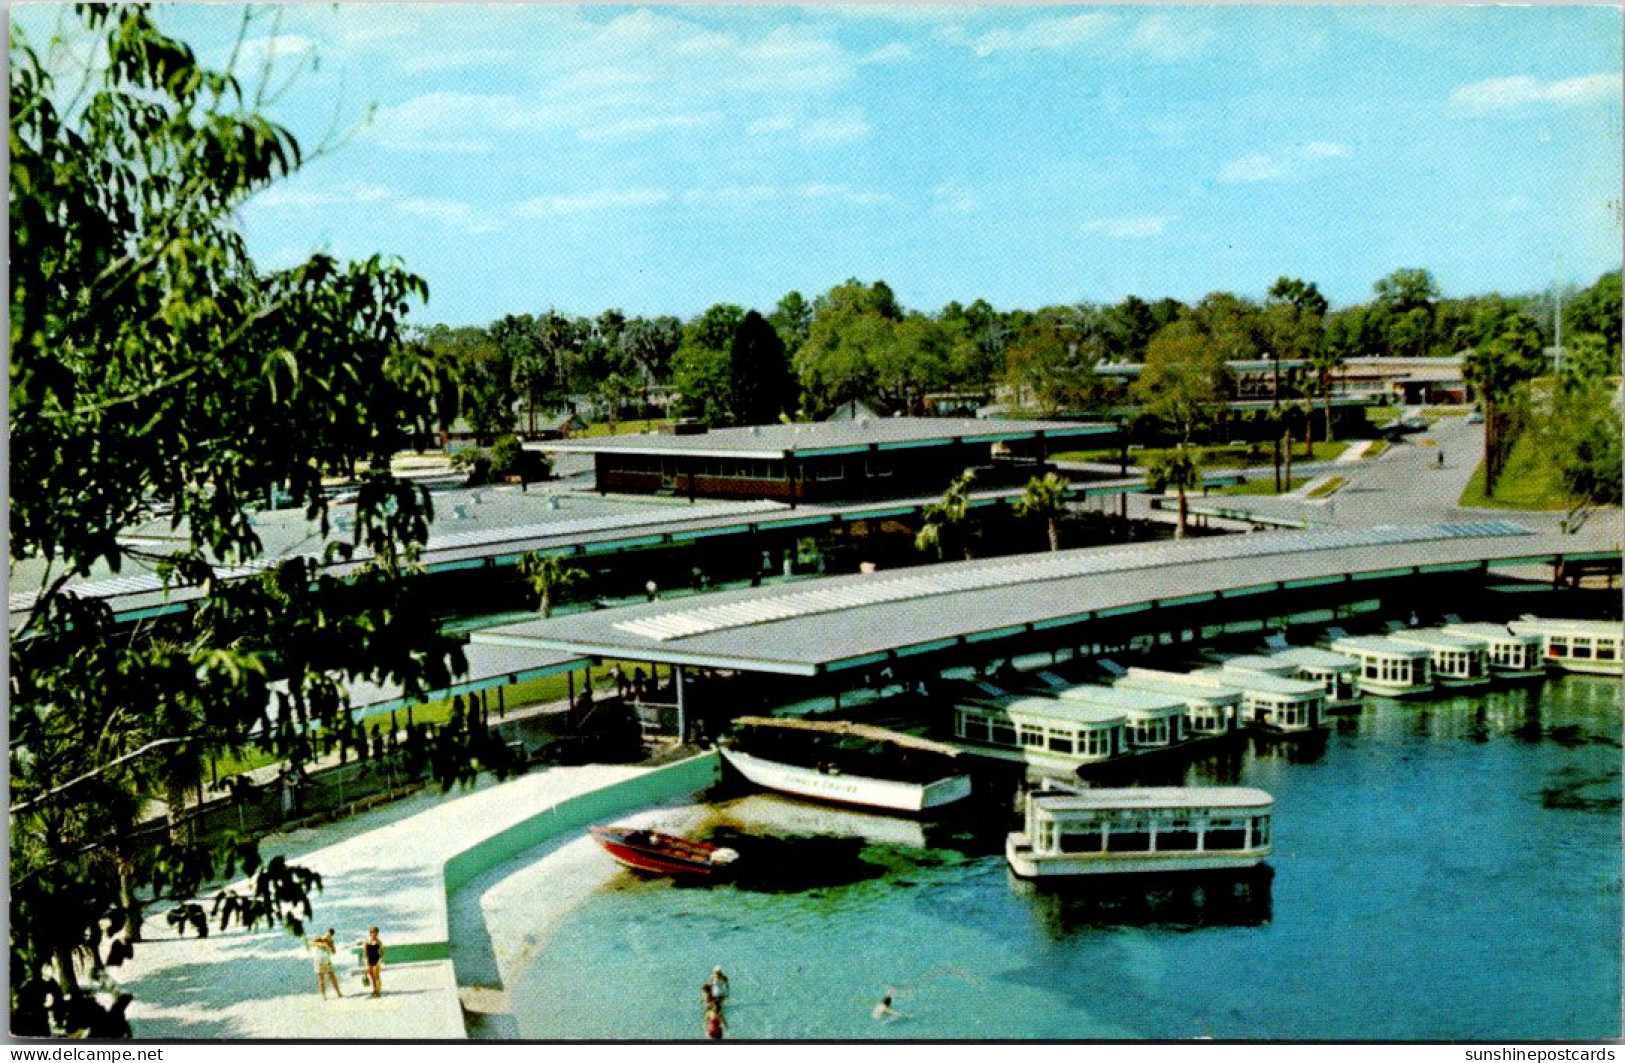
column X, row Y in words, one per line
column 1444, row 870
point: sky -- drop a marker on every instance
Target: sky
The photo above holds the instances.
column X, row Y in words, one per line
column 660, row 160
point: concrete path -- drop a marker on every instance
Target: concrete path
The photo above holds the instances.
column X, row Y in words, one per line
column 384, row 868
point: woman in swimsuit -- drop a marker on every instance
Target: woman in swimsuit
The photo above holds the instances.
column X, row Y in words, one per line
column 373, row 955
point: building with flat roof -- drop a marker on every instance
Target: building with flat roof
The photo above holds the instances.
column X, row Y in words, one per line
column 865, row 458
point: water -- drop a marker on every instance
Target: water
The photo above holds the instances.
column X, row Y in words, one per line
column 1444, row 870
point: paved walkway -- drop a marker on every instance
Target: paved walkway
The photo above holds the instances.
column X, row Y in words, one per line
column 384, row 868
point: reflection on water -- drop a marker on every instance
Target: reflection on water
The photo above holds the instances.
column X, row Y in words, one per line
column 1168, row 901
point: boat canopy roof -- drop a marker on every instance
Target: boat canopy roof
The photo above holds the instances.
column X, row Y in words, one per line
column 847, row 728
column 1156, row 797
column 1543, row 626
column 1380, row 646
column 1187, row 686
column 1258, row 683
column 1041, row 709
column 1315, row 657
column 1436, row 639
column 1132, row 702
column 1492, row 633
column 1257, row 662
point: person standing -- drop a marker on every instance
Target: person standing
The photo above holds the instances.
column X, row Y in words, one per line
column 372, row 954
column 323, row 948
column 715, row 1025
column 718, row 985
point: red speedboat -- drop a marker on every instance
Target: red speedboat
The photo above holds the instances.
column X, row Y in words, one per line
column 663, row 854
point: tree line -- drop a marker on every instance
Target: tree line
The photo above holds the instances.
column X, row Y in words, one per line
column 856, row 343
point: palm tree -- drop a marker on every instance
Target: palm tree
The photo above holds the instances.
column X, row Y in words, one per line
column 1494, row 369
column 549, row 576
column 1176, row 468
column 947, row 518
column 1045, row 500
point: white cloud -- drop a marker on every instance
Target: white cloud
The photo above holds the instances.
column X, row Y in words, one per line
column 449, row 122
column 731, row 195
column 632, row 128
column 293, row 196
column 589, row 202
column 451, row 213
column 889, row 53
column 833, row 129
column 1288, row 162
column 1252, row 168
column 1500, row 94
column 951, row 197
column 646, row 73
column 844, row 193
column 1161, row 37
column 1322, row 149
column 1045, row 34
column 1138, row 227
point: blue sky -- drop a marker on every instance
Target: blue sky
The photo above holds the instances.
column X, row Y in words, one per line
column 663, row 159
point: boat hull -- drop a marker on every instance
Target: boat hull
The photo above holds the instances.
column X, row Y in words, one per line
column 1585, row 667
column 1389, row 690
column 858, row 790
column 691, row 859
column 1025, row 863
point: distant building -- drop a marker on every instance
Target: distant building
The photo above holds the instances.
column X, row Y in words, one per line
column 892, row 457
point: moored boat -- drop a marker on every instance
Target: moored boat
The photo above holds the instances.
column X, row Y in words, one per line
column 884, row 769
column 662, row 854
column 1457, row 661
column 1510, row 656
column 1337, row 672
column 1576, row 645
column 1387, row 667
column 1141, row 830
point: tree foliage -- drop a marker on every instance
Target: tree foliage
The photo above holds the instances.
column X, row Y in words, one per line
column 155, row 367
column 1045, row 500
column 761, row 384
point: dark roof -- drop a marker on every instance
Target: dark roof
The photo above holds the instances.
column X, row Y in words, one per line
column 828, row 437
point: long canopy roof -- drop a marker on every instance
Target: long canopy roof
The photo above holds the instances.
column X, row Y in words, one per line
column 861, row 620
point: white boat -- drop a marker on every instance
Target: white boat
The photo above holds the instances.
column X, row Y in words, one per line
column 1338, row 673
column 1210, row 708
column 1141, row 831
column 1457, row 661
column 1150, row 721
column 1387, row 667
column 900, row 781
column 1576, row 645
column 1044, row 732
column 1510, row 656
column 1274, row 703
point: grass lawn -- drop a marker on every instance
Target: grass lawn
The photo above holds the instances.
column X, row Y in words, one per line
column 530, row 692
column 1260, row 486
column 623, row 428
column 1527, row 482
column 1377, row 448
column 1328, row 487
column 1228, row 456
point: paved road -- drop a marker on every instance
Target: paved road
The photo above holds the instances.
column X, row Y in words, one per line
column 1407, row 484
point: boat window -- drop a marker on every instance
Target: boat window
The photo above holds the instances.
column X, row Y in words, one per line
column 1004, row 733
column 1060, row 743
column 1582, row 648
column 1032, row 736
column 1226, row 838
column 976, row 727
column 1177, row 836
column 1557, row 646
column 1081, row 841
column 1131, row 841
column 1607, row 651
